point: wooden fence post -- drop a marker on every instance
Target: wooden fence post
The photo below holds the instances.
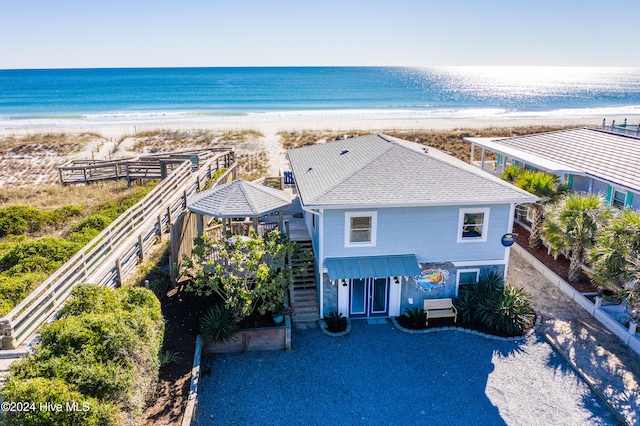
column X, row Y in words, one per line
column 141, row 245
column 118, row 272
column 160, row 227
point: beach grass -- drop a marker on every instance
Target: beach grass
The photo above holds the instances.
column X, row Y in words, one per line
column 252, row 158
column 58, row 222
column 444, row 140
column 38, row 144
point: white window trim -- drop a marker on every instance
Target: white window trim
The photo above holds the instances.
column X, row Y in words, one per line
column 485, row 224
column 347, row 228
column 613, row 197
column 462, row 271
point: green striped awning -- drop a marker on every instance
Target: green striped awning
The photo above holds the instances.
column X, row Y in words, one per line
column 372, row 266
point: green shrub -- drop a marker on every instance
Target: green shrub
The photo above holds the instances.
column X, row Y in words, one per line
column 16, row 220
column 219, row 323
column 15, row 288
column 417, row 318
column 466, row 302
column 516, row 313
column 63, row 214
column 89, row 411
column 95, row 222
column 336, row 323
column 44, row 254
column 105, row 347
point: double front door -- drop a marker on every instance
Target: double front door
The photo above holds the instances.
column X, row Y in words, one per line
column 369, row 297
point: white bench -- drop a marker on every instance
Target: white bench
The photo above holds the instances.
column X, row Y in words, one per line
column 440, row 308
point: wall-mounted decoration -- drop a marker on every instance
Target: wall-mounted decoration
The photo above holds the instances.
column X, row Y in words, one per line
column 431, row 279
column 508, row 240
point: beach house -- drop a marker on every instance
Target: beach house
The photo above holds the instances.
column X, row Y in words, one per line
column 598, row 161
column 394, row 222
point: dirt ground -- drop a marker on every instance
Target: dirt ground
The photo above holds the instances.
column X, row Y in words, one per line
column 182, row 312
column 612, row 367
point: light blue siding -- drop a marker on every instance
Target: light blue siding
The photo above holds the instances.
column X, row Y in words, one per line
column 428, row 232
column 635, row 201
column 580, row 184
column 600, row 188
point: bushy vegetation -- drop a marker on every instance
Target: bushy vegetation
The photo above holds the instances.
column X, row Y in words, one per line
column 253, row 275
column 27, row 259
column 219, row 323
column 416, row 318
column 445, row 140
column 18, row 220
column 336, row 323
column 495, row 306
column 102, row 351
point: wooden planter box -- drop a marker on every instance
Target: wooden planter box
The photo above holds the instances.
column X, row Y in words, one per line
column 255, row 339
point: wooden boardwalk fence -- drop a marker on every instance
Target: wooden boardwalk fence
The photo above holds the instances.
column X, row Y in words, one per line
column 153, row 166
column 110, row 256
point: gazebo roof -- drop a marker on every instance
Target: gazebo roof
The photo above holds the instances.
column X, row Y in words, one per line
column 238, row 199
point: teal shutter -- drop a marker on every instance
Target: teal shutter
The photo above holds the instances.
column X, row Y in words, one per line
column 629, row 199
column 608, row 199
column 570, row 181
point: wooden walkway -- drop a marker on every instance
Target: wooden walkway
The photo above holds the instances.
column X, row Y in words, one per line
column 152, row 167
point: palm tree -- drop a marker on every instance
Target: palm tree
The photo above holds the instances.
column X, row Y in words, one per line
column 615, row 256
column 571, row 224
column 511, row 173
column 544, row 186
column 616, row 249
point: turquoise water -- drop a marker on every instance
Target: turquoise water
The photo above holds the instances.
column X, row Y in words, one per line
column 443, row 92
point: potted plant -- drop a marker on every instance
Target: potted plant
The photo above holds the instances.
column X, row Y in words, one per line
column 279, row 312
column 607, row 295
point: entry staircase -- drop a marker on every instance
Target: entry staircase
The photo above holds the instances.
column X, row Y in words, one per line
column 304, row 306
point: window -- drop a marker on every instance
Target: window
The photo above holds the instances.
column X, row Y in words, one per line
column 618, row 198
column 466, row 276
column 360, row 229
column 473, row 224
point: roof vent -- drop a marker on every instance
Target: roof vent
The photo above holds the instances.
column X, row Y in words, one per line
column 344, row 151
column 426, row 150
column 310, row 168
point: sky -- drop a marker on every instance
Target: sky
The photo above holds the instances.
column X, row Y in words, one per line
column 192, row 33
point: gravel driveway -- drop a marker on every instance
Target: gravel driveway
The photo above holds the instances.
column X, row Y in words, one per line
column 379, row 375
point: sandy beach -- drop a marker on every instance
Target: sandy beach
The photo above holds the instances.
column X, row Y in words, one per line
column 38, row 164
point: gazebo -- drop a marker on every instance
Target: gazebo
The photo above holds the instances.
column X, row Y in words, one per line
column 238, row 199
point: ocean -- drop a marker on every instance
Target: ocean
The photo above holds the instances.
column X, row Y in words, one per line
column 139, row 95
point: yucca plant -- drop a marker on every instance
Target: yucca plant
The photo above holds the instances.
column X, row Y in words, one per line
column 335, row 322
column 509, row 312
column 219, row 324
column 417, row 318
column 516, row 313
column 466, row 302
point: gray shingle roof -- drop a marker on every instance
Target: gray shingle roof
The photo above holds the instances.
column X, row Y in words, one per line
column 609, row 156
column 377, row 170
column 238, row 199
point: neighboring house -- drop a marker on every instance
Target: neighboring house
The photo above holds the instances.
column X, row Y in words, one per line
column 587, row 160
column 394, row 222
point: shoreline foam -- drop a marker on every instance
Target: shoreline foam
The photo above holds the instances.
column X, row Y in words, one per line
column 119, row 125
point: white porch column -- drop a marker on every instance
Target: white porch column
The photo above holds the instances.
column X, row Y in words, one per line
column 343, row 297
column 395, row 291
column 482, row 159
column 473, row 149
